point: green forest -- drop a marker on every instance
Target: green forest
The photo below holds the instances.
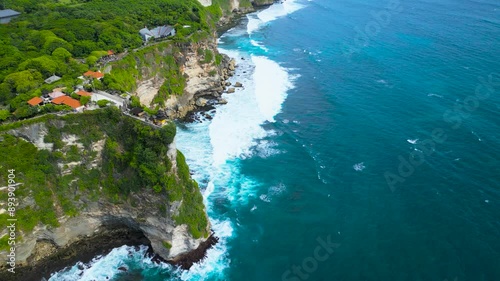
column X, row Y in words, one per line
column 68, row 37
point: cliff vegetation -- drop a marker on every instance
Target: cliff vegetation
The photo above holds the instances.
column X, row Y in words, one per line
column 71, row 161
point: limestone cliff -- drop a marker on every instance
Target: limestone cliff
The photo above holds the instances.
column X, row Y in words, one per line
column 237, row 5
column 97, row 175
column 232, row 9
column 172, row 75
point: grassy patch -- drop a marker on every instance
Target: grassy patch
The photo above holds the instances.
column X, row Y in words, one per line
column 167, row 245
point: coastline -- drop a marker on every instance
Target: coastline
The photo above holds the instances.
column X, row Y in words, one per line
column 213, row 96
column 85, row 250
column 103, row 243
column 82, row 251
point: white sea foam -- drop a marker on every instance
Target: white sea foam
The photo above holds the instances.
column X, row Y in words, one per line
column 265, row 198
column 359, row 166
column 265, row 149
column 212, row 148
column 259, row 44
column 434, row 95
column 106, row 267
column 237, row 125
column 216, row 261
column 412, row 141
column 256, row 21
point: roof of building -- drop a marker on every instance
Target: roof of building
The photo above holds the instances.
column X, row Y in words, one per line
column 56, row 94
column 67, row 101
column 161, row 31
column 145, row 31
column 52, row 79
column 59, row 100
column 35, row 101
column 157, row 32
column 93, row 74
column 110, row 52
column 8, row 13
column 84, row 93
column 72, row 102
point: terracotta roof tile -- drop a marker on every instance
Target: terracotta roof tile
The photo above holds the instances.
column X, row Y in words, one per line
column 35, row 101
column 72, row 102
column 93, row 74
column 84, row 93
column 59, row 100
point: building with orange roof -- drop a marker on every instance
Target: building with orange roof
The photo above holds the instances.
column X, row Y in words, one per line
column 75, row 104
column 59, row 100
column 84, row 93
column 110, row 53
column 93, row 74
column 35, row 101
column 69, row 101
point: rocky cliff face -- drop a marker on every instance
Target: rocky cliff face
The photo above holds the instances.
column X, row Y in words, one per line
column 233, row 9
column 239, row 5
column 132, row 213
column 172, row 76
column 205, row 78
column 199, row 70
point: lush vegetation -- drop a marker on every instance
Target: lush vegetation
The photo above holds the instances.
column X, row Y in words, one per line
column 67, row 38
column 134, row 159
column 190, row 210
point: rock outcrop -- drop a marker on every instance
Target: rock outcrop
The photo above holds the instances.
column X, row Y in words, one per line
column 151, row 215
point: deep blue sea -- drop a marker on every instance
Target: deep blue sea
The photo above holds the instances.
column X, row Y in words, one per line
column 364, row 146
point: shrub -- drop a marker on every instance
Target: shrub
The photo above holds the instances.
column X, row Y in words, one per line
column 103, row 103
column 167, row 245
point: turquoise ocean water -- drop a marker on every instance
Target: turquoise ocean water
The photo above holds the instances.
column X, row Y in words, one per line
column 365, row 145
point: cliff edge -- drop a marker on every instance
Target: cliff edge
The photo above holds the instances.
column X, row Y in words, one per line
column 91, row 182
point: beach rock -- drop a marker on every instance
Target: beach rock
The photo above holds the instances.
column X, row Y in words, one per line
column 170, row 113
column 232, row 65
column 222, row 101
column 238, row 85
column 231, row 90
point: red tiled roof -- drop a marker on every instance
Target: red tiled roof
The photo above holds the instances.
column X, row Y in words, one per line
column 35, row 101
column 59, row 100
column 93, row 74
column 110, row 53
column 67, row 101
column 83, row 93
column 72, row 102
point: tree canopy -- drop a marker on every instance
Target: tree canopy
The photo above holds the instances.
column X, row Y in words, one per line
column 66, row 38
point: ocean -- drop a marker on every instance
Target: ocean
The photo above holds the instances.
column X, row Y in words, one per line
column 363, row 146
